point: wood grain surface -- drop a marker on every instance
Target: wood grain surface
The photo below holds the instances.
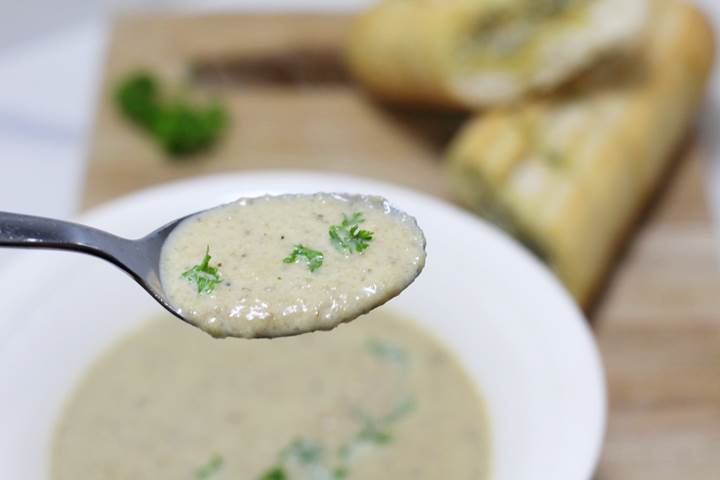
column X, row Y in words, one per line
column 274, row 125
column 657, row 323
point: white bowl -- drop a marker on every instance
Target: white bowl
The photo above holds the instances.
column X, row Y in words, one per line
column 516, row 330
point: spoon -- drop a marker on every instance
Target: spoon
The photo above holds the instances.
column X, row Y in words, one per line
column 139, row 258
column 262, row 295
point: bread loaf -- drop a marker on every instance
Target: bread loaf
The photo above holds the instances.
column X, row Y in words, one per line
column 568, row 174
column 476, row 53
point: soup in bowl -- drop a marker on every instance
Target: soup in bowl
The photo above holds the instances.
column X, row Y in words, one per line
column 483, row 368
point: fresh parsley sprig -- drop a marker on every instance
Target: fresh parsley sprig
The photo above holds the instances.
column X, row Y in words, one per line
column 308, row 456
column 205, row 277
column 387, row 351
column 275, row 473
column 314, row 258
column 212, row 466
column 181, row 127
column 348, row 237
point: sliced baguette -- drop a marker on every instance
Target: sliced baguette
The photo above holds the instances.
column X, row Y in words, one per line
column 567, row 175
column 478, row 53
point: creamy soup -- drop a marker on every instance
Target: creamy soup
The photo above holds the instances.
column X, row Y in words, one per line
column 375, row 399
column 282, row 265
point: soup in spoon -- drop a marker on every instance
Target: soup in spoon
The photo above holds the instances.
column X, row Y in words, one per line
column 283, row 265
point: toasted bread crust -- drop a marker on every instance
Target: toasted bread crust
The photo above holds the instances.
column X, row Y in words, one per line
column 570, row 173
column 469, row 54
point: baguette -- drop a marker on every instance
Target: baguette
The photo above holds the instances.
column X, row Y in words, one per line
column 568, row 175
column 478, row 53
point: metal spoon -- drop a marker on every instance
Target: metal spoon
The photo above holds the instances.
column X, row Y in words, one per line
column 140, row 258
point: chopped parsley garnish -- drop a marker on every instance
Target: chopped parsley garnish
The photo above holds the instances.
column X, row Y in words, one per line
column 307, row 458
column 376, row 431
column 339, row 473
column 303, row 451
column 203, row 275
column 276, row 473
column 180, row 127
column 372, row 432
column 313, row 258
column 210, row 468
column 400, row 410
column 310, row 459
column 385, row 350
column 348, row 237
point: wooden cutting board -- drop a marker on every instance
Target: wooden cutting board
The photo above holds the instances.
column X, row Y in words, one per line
column 658, row 322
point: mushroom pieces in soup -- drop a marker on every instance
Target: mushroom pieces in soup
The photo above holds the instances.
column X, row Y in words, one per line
column 283, row 265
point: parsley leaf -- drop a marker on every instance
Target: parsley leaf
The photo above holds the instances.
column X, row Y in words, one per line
column 385, row 350
column 183, row 128
column 339, row 473
column 348, row 237
column 137, row 96
column 400, row 410
column 180, row 127
column 314, row 258
column 374, row 433
column 210, row 468
column 203, row 275
column 276, row 473
column 304, row 451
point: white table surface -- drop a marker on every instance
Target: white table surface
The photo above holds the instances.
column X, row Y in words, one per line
column 48, row 84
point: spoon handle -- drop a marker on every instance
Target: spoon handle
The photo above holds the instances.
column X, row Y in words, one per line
column 139, row 258
column 27, row 231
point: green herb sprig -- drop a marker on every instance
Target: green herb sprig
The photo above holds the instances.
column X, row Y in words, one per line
column 212, row 466
column 387, row 351
column 308, row 456
column 182, row 128
column 314, row 258
column 275, row 473
column 205, row 277
column 377, row 431
column 348, row 237
column 311, row 459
